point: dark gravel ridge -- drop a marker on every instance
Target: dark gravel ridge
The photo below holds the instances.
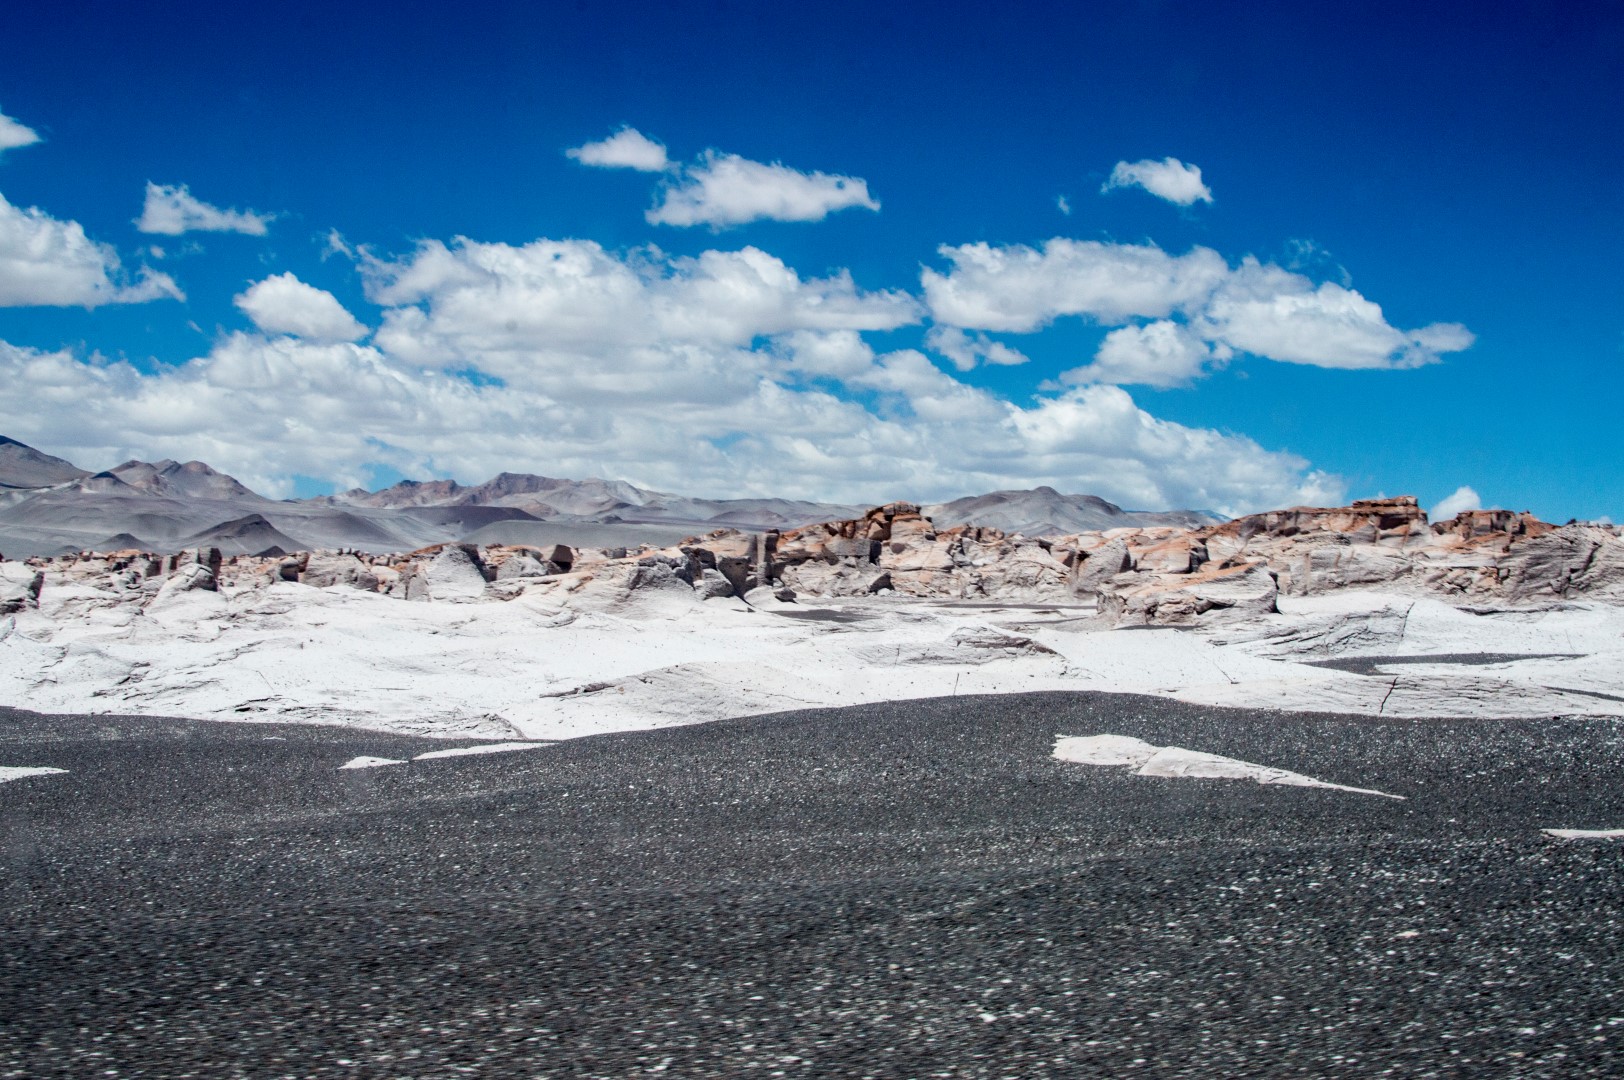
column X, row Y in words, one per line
column 907, row 889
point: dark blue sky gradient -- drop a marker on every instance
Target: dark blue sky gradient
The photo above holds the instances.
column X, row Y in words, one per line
column 1460, row 162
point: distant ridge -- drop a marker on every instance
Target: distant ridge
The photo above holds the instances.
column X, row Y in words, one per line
column 50, row 505
column 1043, row 511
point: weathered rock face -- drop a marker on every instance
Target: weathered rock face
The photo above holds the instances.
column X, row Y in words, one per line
column 1365, row 521
column 1574, row 560
column 1170, row 600
column 1142, row 576
column 20, row 586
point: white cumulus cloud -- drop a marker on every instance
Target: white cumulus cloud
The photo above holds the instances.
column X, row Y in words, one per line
column 171, row 210
column 1463, row 499
column 570, row 309
column 1270, row 312
column 1162, row 354
column 1018, row 288
column 1254, row 308
column 282, row 304
column 726, row 189
column 627, row 148
column 14, row 134
column 726, row 374
column 1169, row 179
column 46, row 261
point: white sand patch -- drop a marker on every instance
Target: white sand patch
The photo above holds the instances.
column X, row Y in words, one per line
column 19, row 772
column 487, row 748
column 364, row 762
column 1585, row 834
column 1175, row 761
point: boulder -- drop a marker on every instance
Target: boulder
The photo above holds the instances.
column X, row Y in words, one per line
column 325, row 569
column 712, row 584
column 521, row 565
column 1100, row 566
column 208, row 558
column 455, row 573
column 190, row 577
column 660, row 571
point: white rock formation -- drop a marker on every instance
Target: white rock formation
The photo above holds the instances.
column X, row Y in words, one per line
column 548, row 642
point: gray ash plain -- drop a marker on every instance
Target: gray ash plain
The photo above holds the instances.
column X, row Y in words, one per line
column 897, row 890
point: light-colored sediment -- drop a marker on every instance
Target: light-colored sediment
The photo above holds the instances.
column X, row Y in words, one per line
column 547, row 643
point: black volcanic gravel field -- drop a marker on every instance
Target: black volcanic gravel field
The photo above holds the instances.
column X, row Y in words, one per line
column 911, row 889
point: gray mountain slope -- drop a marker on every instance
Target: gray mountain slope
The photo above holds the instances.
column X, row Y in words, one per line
column 579, row 533
column 21, row 466
column 1043, row 511
column 247, row 535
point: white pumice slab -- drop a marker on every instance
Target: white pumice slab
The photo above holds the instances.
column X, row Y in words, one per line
column 475, row 751
column 20, row 772
column 1177, row 762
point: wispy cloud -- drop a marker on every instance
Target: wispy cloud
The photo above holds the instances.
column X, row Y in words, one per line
column 173, row 210
column 966, row 351
column 14, row 134
column 1169, row 179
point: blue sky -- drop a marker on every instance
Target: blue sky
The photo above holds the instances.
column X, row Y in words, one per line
column 1405, row 281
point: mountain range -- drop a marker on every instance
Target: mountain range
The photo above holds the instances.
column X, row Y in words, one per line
column 50, row 506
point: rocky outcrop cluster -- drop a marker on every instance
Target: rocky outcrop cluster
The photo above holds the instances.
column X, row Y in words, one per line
column 1149, row 576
